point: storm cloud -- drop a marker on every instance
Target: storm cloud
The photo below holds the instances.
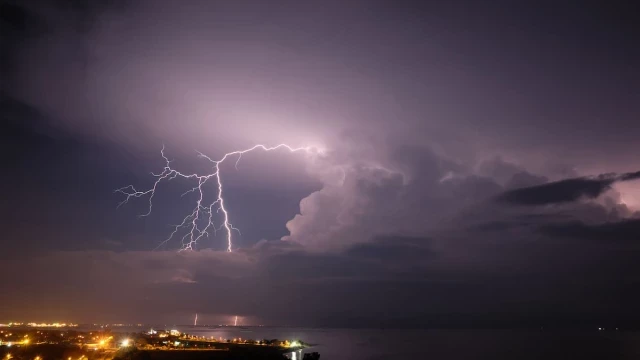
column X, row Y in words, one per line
column 564, row 191
column 611, row 232
column 439, row 197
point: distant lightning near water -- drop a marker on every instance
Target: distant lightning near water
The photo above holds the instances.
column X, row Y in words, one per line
column 201, row 211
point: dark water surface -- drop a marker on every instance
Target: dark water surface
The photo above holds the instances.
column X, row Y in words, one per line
column 376, row 344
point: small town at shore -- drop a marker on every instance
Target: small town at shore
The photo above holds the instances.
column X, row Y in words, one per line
column 69, row 344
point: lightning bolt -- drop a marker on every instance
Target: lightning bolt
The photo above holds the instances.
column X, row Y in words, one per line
column 201, row 211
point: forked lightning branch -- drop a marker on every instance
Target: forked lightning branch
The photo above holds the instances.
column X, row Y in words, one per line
column 201, row 221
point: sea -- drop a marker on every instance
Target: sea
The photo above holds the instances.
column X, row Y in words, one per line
column 390, row 344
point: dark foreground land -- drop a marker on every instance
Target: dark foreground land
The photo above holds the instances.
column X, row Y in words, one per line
column 244, row 353
column 36, row 344
column 51, row 352
column 65, row 352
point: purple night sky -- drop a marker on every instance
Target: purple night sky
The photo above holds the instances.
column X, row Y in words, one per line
column 481, row 162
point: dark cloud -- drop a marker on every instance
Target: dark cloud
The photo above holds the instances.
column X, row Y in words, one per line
column 564, row 191
column 630, row 176
column 278, row 284
column 524, row 179
column 557, row 192
column 394, row 250
column 497, row 226
column 614, row 232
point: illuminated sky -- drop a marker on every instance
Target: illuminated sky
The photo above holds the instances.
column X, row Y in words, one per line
column 481, row 163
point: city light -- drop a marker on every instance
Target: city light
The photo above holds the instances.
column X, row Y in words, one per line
column 55, row 325
column 39, row 325
column 105, row 342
